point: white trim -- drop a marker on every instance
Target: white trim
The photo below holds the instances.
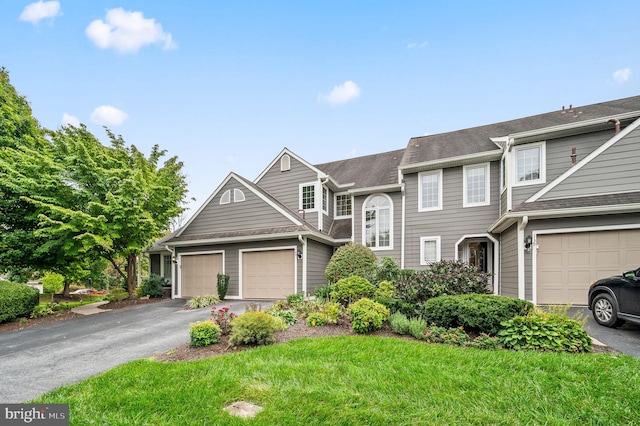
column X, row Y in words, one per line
column 393, row 187
column 487, row 183
column 452, row 161
column 543, row 164
column 322, row 190
column 285, row 163
column 534, row 235
column 557, row 181
column 439, row 206
column 178, row 281
column 438, row 241
column 495, row 272
column 522, row 224
column 335, row 205
column 295, row 265
column 364, row 210
column 403, row 225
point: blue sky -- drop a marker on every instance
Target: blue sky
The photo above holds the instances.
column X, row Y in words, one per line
column 226, row 86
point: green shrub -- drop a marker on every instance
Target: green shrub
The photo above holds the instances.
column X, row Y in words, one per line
column 222, row 285
column 482, row 313
column 454, row 336
column 295, row 299
column 545, row 332
column 440, row 279
column 44, row 310
column 316, row 319
column 52, row 283
column 349, row 260
column 387, row 270
column 486, row 342
column 399, row 323
column 204, row 333
column 153, row 285
column 351, row 289
column 197, row 302
column 16, row 300
column 418, row 328
column 288, row 317
column 367, row 315
column 385, row 290
column 117, row 294
column 254, row 328
column 332, row 311
column 323, row 294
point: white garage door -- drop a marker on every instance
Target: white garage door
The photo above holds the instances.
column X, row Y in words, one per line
column 268, row 274
column 199, row 274
column 568, row 263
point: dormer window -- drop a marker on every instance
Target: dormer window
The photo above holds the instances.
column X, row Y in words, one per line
column 285, row 163
column 530, row 164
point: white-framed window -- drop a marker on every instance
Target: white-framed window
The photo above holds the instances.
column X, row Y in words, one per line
column 238, row 196
column 308, row 196
column 285, row 163
column 325, row 200
column 226, row 197
column 529, row 163
column 429, row 250
column 503, row 173
column 476, row 185
column 343, row 205
column 166, row 266
column 430, row 191
column 377, row 216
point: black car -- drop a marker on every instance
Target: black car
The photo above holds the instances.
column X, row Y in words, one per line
column 616, row 300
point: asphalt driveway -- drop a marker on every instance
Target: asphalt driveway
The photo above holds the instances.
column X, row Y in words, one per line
column 625, row 339
column 39, row 359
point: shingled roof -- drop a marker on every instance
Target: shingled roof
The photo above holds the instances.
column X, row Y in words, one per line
column 365, row 172
column 478, row 139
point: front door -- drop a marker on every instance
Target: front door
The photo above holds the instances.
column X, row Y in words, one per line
column 479, row 253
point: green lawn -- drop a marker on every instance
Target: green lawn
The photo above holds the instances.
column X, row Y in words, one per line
column 353, row 380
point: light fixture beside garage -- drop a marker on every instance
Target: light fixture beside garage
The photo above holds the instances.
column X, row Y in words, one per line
column 528, row 242
column 299, row 254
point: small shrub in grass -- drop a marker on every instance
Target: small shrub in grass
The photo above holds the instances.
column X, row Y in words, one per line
column 481, row 313
column 418, row 328
column 17, row 300
column 197, row 302
column 349, row 290
column 545, row 332
column 316, row 319
column 117, row 294
column 323, row 294
column 254, row 328
column 223, row 317
column 367, row 315
column 153, row 285
column 44, row 310
column 289, row 317
column 399, row 323
column 204, row 333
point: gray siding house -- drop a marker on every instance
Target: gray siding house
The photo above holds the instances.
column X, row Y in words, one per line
column 543, row 204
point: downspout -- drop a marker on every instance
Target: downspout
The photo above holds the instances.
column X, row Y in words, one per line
column 174, row 262
column 402, row 228
column 616, row 122
column 520, row 250
column 303, row 242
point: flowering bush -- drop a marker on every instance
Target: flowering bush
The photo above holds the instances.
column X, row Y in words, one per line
column 223, row 317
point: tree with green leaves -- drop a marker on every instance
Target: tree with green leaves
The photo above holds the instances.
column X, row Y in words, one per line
column 86, row 200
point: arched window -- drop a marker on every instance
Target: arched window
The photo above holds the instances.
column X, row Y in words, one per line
column 285, row 163
column 226, row 197
column 377, row 217
column 238, row 195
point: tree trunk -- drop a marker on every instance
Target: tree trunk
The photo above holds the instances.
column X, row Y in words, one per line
column 65, row 292
column 131, row 275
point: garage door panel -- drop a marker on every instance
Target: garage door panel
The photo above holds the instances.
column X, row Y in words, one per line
column 199, row 274
column 268, row 274
column 568, row 263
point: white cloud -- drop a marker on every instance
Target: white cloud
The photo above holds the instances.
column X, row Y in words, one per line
column 341, row 94
column 70, row 120
column 621, row 76
column 127, row 32
column 107, row 115
column 417, row 45
column 35, row 12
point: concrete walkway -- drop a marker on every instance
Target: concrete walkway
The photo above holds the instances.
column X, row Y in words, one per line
column 90, row 309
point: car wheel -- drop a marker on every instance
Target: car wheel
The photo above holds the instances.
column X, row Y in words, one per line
column 605, row 312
